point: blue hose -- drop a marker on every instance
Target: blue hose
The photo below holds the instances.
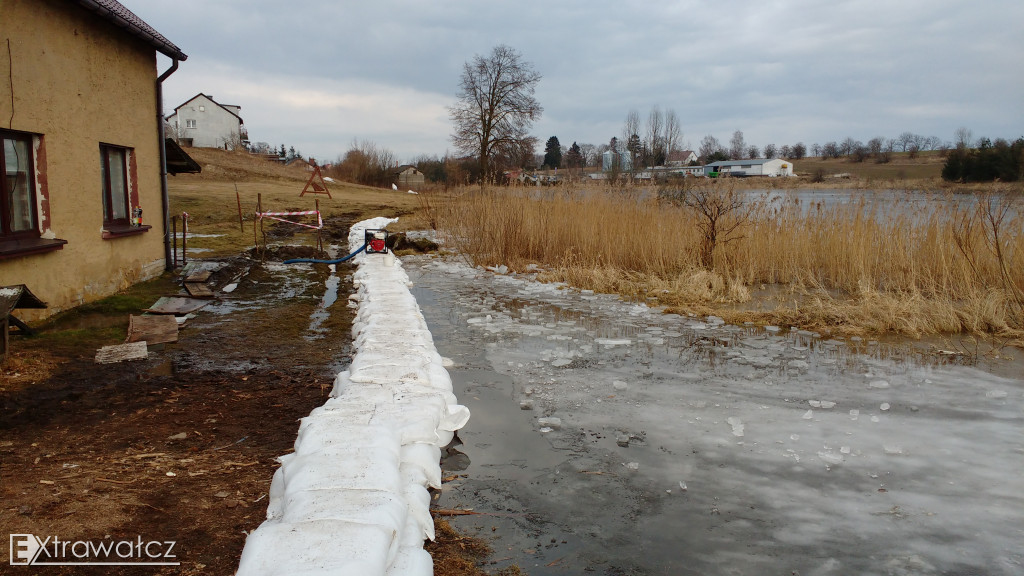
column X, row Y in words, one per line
column 313, row 261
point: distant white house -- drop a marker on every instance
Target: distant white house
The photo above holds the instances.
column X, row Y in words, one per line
column 754, row 167
column 204, row 123
column 681, row 158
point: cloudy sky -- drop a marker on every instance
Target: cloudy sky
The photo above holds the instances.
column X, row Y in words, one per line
column 321, row 74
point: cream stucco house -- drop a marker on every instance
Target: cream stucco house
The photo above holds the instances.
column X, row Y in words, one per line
column 82, row 140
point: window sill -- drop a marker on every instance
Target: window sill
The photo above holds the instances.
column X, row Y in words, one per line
column 29, row 246
column 123, row 230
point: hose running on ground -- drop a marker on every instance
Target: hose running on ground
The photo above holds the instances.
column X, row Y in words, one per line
column 314, row 261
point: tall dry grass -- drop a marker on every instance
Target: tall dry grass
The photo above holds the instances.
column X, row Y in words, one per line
column 861, row 267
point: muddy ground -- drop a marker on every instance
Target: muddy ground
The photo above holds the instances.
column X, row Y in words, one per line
column 181, row 446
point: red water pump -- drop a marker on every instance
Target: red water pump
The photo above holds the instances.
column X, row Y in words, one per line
column 376, row 241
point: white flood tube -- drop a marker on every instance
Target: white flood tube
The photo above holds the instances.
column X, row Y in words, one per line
column 352, row 498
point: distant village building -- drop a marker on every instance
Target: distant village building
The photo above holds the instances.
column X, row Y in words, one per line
column 201, row 122
column 756, row 167
column 681, row 158
column 409, row 176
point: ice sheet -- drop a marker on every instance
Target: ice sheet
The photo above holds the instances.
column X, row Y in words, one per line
column 798, row 453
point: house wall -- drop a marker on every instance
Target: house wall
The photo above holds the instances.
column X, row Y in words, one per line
column 411, row 177
column 215, row 126
column 778, row 167
column 79, row 81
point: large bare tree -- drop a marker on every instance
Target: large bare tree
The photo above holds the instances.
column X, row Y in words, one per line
column 495, row 107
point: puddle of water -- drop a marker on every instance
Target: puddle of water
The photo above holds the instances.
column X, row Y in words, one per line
column 322, row 312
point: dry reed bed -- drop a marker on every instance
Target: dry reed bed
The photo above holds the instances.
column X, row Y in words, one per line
column 914, row 268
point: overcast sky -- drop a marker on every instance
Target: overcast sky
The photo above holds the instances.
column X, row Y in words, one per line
column 320, row 74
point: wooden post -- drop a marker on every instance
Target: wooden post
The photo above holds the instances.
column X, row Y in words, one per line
column 184, row 238
column 239, row 200
column 256, row 218
column 4, row 342
column 174, row 237
column 319, row 238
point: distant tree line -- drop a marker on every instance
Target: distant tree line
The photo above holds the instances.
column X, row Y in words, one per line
column 265, row 148
column 989, row 161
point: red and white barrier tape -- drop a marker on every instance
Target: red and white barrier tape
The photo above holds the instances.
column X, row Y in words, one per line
column 274, row 216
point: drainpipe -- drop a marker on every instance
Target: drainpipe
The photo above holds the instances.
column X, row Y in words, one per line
column 164, row 197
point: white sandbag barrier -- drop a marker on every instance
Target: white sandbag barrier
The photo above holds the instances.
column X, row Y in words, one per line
column 352, row 498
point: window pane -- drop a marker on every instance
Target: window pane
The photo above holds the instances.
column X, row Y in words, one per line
column 20, row 200
column 115, row 198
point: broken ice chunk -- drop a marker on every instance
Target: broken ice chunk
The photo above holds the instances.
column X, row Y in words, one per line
column 737, row 426
column 831, row 458
column 550, row 422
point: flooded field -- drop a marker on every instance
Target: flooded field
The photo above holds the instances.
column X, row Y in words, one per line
column 610, row 438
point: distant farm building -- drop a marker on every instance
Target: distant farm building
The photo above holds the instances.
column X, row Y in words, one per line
column 758, row 167
column 409, row 176
column 612, row 160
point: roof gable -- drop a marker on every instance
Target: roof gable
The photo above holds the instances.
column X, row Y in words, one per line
column 212, row 101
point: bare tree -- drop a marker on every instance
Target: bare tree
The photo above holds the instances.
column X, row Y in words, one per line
column 673, row 131
column 964, row 137
column 848, row 146
column 770, row 151
column 655, row 137
column 875, row 145
column 753, row 152
column 906, row 140
column 737, row 146
column 589, row 153
column 709, row 145
column 721, row 214
column 496, row 106
column 798, row 151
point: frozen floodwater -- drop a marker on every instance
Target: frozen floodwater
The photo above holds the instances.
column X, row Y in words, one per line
column 610, row 438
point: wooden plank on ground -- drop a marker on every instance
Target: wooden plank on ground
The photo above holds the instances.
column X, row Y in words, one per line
column 152, row 329
column 176, row 305
column 199, row 290
column 199, row 276
column 122, row 352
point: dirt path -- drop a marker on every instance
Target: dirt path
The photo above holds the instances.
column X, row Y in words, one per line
column 179, row 447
